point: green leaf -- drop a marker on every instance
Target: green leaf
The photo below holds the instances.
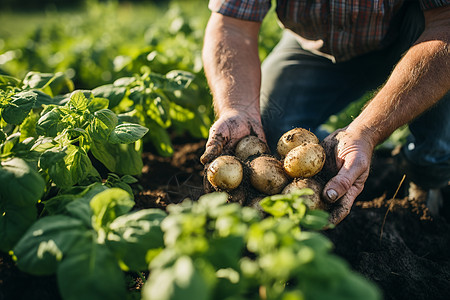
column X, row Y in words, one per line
column 19, row 183
column 78, row 163
column 160, row 139
column 132, row 235
column 79, row 101
column 90, row 271
column 98, row 104
column 8, row 81
column 119, row 158
column 158, row 110
column 36, row 80
column 127, row 133
column 178, row 80
column 184, row 280
column 103, row 124
column 19, row 107
column 44, row 245
column 51, row 157
column 113, row 93
column 14, row 222
column 315, row 219
column 47, row 124
column 108, row 205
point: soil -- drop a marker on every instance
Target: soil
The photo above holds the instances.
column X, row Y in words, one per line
column 393, row 241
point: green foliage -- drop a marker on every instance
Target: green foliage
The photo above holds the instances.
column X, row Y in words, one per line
column 92, row 238
column 219, row 250
column 20, row 189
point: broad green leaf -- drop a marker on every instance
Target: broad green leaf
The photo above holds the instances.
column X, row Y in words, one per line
column 127, row 133
column 132, row 235
column 19, row 183
column 119, row 158
column 315, row 219
column 329, row 277
column 47, row 124
column 90, row 271
column 51, row 157
column 36, row 80
column 98, row 104
column 79, row 101
column 78, row 163
column 42, row 99
column 113, row 93
column 46, row 242
column 14, row 221
column 184, row 280
column 60, row 174
column 19, row 107
column 80, row 208
column 108, row 205
column 103, row 124
column 28, row 126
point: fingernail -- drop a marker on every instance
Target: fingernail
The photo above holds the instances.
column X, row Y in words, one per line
column 332, row 194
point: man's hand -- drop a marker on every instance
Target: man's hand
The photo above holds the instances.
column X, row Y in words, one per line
column 349, row 154
column 231, row 126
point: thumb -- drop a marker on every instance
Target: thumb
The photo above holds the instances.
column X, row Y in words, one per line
column 340, row 184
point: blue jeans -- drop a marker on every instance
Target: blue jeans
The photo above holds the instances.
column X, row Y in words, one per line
column 301, row 89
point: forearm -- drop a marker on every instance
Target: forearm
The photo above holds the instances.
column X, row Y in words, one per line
column 420, row 79
column 231, row 63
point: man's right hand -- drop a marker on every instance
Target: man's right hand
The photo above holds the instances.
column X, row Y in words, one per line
column 228, row 130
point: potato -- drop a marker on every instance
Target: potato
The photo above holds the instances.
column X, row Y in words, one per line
column 313, row 201
column 267, row 175
column 294, row 138
column 225, row 172
column 250, row 146
column 305, row 160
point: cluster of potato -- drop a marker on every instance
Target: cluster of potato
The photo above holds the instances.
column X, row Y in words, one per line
column 252, row 172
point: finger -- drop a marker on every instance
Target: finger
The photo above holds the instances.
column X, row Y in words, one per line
column 258, row 130
column 214, row 147
column 341, row 210
column 353, row 173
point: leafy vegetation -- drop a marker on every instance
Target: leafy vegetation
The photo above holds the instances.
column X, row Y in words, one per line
column 103, row 85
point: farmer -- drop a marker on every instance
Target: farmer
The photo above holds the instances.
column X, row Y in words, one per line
column 331, row 53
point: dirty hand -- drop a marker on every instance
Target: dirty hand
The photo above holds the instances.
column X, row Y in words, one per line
column 349, row 155
column 229, row 128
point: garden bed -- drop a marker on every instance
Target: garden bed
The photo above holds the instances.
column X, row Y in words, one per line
column 395, row 243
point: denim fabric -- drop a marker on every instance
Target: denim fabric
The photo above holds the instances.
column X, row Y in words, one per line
column 301, row 89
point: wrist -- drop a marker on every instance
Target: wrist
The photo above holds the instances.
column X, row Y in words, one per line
column 369, row 134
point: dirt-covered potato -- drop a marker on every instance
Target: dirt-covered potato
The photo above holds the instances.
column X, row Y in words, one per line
column 267, row 175
column 294, row 138
column 250, row 146
column 313, row 201
column 305, row 160
column 225, row 172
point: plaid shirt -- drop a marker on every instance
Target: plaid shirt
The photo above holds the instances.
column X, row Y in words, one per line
column 337, row 29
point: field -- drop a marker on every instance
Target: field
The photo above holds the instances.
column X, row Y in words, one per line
column 104, row 114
